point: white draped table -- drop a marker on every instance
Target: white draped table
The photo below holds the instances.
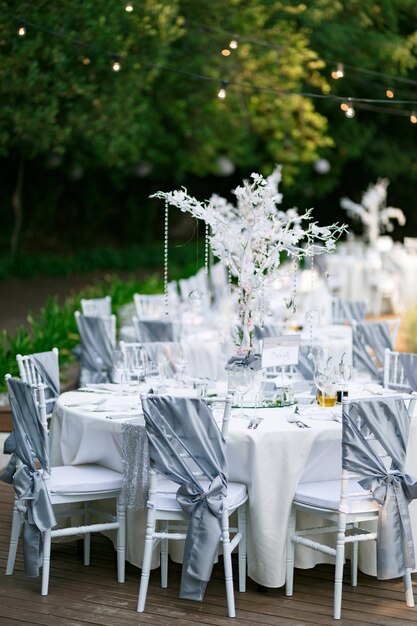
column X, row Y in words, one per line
column 269, row 460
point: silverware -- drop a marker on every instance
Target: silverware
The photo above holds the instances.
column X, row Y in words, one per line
column 254, row 423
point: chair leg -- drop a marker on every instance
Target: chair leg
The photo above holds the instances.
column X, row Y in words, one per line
column 14, row 540
column 87, row 536
column 409, row 596
column 46, row 562
column 289, row 578
column 121, row 539
column 147, row 560
column 354, row 562
column 164, row 557
column 340, row 563
column 227, row 564
column 242, row 547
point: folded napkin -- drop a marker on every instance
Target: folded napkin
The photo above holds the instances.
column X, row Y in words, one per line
column 333, row 413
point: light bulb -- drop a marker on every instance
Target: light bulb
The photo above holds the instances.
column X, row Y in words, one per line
column 226, row 52
column 22, row 30
column 223, row 90
column 413, row 118
column 129, row 7
column 350, row 111
column 389, row 93
column 233, row 44
column 344, row 106
column 339, row 72
column 116, row 64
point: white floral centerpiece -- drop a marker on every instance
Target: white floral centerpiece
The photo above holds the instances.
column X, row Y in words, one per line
column 251, row 237
column 373, row 212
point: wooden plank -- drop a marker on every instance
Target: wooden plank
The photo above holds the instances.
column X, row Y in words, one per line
column 91, row 595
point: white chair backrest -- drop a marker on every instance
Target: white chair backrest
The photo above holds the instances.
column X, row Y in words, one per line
column 27, row 370
column 30, row 374
column 394, row 373
column 96, row 307
column 109, row 322
column 149, row 306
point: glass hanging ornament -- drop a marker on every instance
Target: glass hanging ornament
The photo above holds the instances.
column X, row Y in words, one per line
column 166, row 299
column 195, row 299
column 291, row 302
column 207, row 248
column 312, row 316
column 262, row 303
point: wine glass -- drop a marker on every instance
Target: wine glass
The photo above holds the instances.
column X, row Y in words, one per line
column 180, row 363
column 155, row 374
column 137, row 363
column 120, row 364
column 241, row 382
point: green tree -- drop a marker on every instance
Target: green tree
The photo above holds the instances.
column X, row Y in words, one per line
column 63, row 103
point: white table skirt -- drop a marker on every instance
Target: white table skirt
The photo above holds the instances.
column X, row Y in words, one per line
column 270, row 461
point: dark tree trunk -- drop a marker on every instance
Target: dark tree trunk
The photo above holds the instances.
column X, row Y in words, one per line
column 17, row 208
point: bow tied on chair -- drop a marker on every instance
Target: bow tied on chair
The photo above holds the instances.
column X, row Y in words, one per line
column 394, row 491
column 205, row 509
column 37, row 513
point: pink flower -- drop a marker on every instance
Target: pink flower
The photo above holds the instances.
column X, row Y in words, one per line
column 249, row 323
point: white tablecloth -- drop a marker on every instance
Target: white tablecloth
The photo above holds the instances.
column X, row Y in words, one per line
column 270, row 460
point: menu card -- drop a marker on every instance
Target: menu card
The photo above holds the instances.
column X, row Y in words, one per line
column 280, row 351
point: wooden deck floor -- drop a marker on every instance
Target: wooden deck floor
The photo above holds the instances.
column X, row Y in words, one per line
column 90, row 595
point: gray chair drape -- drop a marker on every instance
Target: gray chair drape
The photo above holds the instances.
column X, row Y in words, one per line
column 352, row 309
column 186, row 425
column 47, row 366
column 387, row 419
column 156, row 330
column 408, row 361
column 29, row 441
column 305, row 365
column 97, row 349
column 367, row 338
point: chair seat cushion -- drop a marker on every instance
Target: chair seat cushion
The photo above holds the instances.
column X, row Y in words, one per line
column 326, row 495
column 83, row 479
column 167, row 489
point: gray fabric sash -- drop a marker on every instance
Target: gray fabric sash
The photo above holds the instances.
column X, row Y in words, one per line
column 370, row 337
column 388, row 420
column 97, row 348
column 185, row 425
column 156, row 330
column 29, row 442
column 135, row 462
column 352, row 309
column 408, row 362
column 47, row 366
column 252, row 361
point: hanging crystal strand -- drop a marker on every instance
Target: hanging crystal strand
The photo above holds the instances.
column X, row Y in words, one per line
column 294, row 285
column 262, row 303
column 206, row 249
column 166, row 258
column 310, row 350
column 229, row 279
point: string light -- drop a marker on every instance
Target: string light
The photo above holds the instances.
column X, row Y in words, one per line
column 116, row 63
column 166, row 232
column 226, row 52
column 339, row 72
column 361, row 103
column 413, row 118
column 129, row 7
column 344, row 106
column 350, row 111
column 389, row 93
column 223, row 90
column 86, row 61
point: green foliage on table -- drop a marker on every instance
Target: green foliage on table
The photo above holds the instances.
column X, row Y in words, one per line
column 410, row 330
column 55, row 326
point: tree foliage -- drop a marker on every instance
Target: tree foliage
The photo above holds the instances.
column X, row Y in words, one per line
column 158, row 121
